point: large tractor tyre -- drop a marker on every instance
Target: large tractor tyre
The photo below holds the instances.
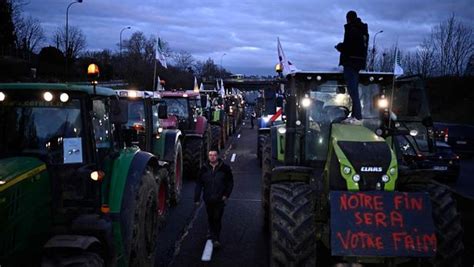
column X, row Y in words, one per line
column 193, row 157
column 216, row 137
column 176, row 181
column 266, row 180
column 447, row 222
column 145, row 222
column 79, row 259
column 260, row 143
column 293, row 228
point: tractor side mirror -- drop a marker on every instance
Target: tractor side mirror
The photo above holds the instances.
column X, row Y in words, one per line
column 162, row 111
column 118, row 111
column 204, row 101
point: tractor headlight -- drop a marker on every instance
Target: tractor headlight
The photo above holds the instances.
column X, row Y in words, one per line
column 48, row 96
column 64, row 97
column 306, row 102
column 282, row 130
column 413, row 132
column 356, row 178
column 383, row 103
column 2, row 96
column 346, row 170
column 385, row 178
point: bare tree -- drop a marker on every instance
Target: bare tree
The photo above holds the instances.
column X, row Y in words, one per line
column 453, row 44
column 29, row 34
column 76, row 40
column 183, row 60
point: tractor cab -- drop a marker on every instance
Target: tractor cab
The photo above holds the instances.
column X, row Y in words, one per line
column 185, row 106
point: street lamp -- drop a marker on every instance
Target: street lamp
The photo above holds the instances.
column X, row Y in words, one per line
column 67, row 32
column 373, row 51
column 126, row 28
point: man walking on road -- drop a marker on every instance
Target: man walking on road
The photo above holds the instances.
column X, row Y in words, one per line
column 215, row 181
column 353, row 58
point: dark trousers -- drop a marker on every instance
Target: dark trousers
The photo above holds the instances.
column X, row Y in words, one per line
column 214, row 218
column 351, row 76
column 251, row 121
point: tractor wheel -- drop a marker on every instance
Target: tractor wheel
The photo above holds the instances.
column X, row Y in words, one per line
column 83, row 258
column 146, row 219
column 176, row 181
column 193, row 157
column 216, row 134
column 293, row 230
column 260, row 143
column 447, row 222
column 266, row 180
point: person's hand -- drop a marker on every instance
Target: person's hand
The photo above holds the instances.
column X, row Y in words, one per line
column 224, row 198
column 197, row 203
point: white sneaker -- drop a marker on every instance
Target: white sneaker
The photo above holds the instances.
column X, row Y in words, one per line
column 351, row 120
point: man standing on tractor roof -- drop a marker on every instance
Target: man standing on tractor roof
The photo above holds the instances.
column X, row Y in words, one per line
column 353, row 58
column 217, row 181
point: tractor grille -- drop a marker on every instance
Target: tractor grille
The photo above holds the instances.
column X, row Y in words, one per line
column 370, row 160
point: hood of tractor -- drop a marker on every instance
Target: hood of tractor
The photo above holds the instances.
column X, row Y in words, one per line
column 16, row 169
column 363, row 159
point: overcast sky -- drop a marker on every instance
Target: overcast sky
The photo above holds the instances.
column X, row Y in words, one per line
column 246, row 31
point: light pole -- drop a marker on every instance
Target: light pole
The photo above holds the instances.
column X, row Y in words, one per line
column 67, row 33
column 126, row 28
column 373, row 52
column 222, row 70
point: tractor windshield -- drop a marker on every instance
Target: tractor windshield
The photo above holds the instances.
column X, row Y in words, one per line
column 51, row 130
column 136, row 115
column 177, row 106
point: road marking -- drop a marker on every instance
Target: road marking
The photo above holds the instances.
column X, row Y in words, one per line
column 232, row 159
column 238, row 136
column 207, row 253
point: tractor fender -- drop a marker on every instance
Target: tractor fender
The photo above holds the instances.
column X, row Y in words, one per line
column 171, row 137
column 71, row 241
column 201, row 125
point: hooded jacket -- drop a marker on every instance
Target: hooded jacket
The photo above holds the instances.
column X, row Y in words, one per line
column 354, row 47
column 215, row 182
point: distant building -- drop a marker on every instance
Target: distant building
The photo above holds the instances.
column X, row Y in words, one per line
column 470, row 67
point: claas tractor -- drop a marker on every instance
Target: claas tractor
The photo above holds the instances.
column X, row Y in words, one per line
column 213, row 109
column 335, row 192
column 143, row 129
column 185, row 113
column 271, row 114
column 70, row 194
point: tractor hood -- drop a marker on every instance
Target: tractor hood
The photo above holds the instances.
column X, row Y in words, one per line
column 16, row 169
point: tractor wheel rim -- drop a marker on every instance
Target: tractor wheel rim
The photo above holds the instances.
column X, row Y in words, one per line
column 161, row 200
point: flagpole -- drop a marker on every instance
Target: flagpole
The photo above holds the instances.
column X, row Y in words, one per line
column 393, row 87
column 154, row 71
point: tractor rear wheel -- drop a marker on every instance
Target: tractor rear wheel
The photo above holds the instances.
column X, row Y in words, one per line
column 193, row 156
column 266, row 179
column 145, row 221
column 176, row 181
column 216, row 134
column 293, row 228
column 447, row 222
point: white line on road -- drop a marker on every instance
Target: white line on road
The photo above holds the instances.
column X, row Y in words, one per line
column 232, row 159
column 207, row 253
column 238, row 136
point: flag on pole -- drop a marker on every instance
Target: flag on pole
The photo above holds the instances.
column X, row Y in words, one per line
column 397, row 69
column 158, row 82
column 287, row 66
column 221, row 88
column 160, row 55
column 201, row 87
column 196, row 87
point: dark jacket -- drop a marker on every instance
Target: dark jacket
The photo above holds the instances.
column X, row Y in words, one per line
column 216, row 183
column 354, row 47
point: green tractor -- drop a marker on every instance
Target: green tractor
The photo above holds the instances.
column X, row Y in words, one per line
column 213, row 109
column 143, row 128
column 70, row 194
column 335, row 192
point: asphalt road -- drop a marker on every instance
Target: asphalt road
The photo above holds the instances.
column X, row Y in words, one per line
column 181, row 242
column 244, row 242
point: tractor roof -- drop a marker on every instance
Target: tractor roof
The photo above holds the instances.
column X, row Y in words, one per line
column 134, row 94
column 188, row 93
column 104, row 91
